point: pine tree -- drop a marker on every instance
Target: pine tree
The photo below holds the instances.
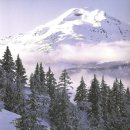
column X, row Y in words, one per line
column 122, row 107
column 59, row 108
column 37, row 86
column 104, row 90
column 20, row 72
column 53, row 112
column 114, row 105
column 94, row 100
column 81, row 95
column 42, row 78
column 33, row 111
column 2, row 86
column 110, row 108
column 73, row 117
column 8, row 64
column 65, row 81
column 118, row 108
column 64, row 86
column 39, row 79
column 9, row 67
column 40, row 89
column 20, row 81
column 2, row 82
column 23, row 123
column 33, row 119
column 51, row 83
column 127, row 102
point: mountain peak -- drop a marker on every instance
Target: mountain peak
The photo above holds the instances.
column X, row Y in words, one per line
column 90, row 16
column 93, row 17
column 75, row 26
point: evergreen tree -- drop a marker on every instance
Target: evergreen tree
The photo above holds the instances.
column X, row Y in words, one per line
column 104, row 90
column 122, row 107
column 127, row 102
column 59, row 109
column 33, row 120
column 20, row 73
column 8, row 64
column 110, row 108
column 74, row 119
column 36, row 79
column 9, row 67
column 53, row 112
column 81, row 95
column 33, row 112
column 94, row 100
column 42, row 78
column 128, row 94
column 115, row 94
column 2, row 82
column 114, row 105
column 40, row 89
column 51, row 83
column 118, row 107
column 22, row 123
column 2, row 85
column 39, row 79
column 64, row 80
column 20, row 81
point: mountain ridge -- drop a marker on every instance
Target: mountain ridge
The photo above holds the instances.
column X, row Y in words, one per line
column 75, row 26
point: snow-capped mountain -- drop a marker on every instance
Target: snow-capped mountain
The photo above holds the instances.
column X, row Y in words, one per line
column 77, row 25
column 74, row 26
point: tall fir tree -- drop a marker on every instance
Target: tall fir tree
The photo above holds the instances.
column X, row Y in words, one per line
column 64, row 80
column 51, row 83
column 20, row 72
column 118, row 110
column 2, row 86
column 59, row 109
column 115, row 123
column 110, row 107
column 20, row 82
column 22, row 123
column 42, row 78
column 94, row 100
column 9, row 67
column 104, row 91
column 8, row 64
column 81, row 95
column 32, row 113
column 36, row 77
column 127, row 102
column 122, row 107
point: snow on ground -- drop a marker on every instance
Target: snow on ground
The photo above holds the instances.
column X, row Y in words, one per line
column 6, row 120
column 46, row 124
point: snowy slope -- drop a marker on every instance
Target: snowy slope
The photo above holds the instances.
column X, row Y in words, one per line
column 6, row 120
column 75, row 25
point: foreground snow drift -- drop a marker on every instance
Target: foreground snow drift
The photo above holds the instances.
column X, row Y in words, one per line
column 6, row 120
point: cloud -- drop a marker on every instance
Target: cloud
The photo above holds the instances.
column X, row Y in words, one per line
column 70, row 54
column 82, row 53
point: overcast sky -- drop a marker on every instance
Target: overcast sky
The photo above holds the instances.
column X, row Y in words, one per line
column 20, row 16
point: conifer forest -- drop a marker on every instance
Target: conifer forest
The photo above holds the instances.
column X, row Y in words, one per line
column 43, row 97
